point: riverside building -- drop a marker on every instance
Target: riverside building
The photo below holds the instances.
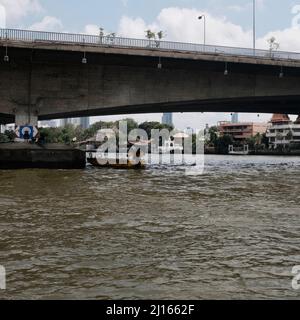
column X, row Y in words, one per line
column 241, row 131
column 283, row 132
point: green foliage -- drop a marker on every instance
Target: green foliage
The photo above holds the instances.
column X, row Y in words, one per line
column 71, row 133
column 150, row 34
column 3, row 138
column 259, row 141
column 7, row 136
column 61, row 135
column 265, row 140
column 222, row 144
column 148, row 126
column 213, row 133
column 131, row 124
column 160, row 35
column 251, row 142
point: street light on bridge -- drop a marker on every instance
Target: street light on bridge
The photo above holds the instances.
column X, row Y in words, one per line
column 203, row 17
column 254, row 27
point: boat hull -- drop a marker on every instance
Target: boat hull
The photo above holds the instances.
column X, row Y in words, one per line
column 129, row 165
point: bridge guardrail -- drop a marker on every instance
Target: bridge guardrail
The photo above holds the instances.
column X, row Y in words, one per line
column 111, row 41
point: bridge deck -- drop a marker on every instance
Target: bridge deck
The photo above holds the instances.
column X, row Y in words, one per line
column 110, row 44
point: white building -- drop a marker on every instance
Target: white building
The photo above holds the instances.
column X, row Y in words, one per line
column 283, row 132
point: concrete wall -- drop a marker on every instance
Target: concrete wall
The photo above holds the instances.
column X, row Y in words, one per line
column 53, row 83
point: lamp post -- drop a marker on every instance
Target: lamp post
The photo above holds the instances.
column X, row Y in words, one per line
column 254, row 26
column 203, row 17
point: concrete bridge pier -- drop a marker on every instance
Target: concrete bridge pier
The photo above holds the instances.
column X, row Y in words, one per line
column 21, row 154
column 25, row 117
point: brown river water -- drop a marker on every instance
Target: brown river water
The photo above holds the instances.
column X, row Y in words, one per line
column 231, row 233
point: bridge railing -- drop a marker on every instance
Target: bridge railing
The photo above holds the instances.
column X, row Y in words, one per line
column 112, row 41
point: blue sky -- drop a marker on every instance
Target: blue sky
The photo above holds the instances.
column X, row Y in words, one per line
column 228, row 23
column 271, row 14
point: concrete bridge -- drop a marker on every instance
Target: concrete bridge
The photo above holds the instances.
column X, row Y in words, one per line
column 55, row 75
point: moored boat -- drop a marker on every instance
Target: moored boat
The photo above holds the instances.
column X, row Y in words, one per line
column 115, row 163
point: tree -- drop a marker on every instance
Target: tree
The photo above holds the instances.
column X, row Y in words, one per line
column 222, row 144
column 273, row 46
column 3, row 138
column 149, row 126
column 290, row 135
column 7, row 136
column 160, row 35
column 131, row 124
column 251, row 142
column 213, row 133
column 255, row 141
column 265, row 140
column 150, row 34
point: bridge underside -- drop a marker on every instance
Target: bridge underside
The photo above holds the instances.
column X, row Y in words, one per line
column 52, row 83
column 288, row 105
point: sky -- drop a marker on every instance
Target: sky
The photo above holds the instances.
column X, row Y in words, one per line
column 229, row 23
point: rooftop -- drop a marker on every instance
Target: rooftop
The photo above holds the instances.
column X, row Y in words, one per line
column 277, row 117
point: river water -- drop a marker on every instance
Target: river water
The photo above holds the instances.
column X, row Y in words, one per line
column 231, row 233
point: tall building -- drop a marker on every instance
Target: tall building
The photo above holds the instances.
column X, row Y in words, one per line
column 283, row 132
column 83, row 122
column 167, row 119
column 235, row 118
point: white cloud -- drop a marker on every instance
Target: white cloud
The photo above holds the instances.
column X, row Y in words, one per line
column 91, row 29
column 132, row 27
column 17, row 9
column 181, row 24
column 48, row 24
column 288, row 39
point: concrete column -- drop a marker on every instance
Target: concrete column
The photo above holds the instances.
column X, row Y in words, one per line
column 25, row 118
